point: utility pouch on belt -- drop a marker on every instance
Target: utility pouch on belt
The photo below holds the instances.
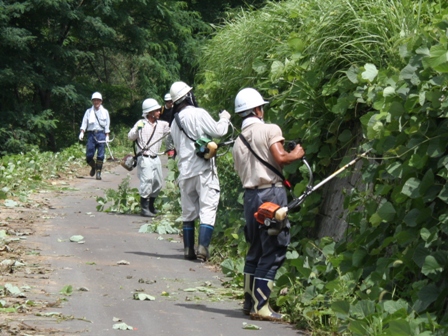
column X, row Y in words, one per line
column 205, row 148
column 129, row 162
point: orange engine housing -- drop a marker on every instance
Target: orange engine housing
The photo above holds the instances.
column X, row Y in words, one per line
column 266, row 211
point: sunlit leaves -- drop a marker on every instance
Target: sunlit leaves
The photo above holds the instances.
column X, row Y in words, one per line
column 443, row 195
column 409, row 73
column 352, row 74
column 431, row 266
column 411, row 188
column 370, row 72
column 386, row 212
column 389, row 91
column 438, row 58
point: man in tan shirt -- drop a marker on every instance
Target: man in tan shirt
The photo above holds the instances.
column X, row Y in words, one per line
column 267, row 252
column 147, row 133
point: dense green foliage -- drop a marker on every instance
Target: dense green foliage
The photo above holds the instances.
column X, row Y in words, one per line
column 56, row 53
column 341, row 75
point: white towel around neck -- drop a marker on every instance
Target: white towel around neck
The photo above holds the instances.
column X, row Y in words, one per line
column 92, row 117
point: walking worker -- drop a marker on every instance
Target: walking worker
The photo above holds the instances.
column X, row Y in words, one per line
column 96, row 123
column 167, row 114
column 147, row 133
column 198, row 178
column 266, row 252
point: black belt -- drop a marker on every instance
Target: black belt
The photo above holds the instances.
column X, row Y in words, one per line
column 96, row 131
column 150, row 156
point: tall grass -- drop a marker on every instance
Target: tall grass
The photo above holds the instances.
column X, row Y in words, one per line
column 261, row 48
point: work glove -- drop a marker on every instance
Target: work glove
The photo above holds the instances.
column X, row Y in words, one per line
column 81, row 136
column 224, row 114
column 140, row 125
column 107, row 137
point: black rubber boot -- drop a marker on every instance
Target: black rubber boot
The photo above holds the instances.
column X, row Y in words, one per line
column 261, row 292
column 144, row 203
column 205, row 236
column 248, row 301
column 91, row 163
column 188, row 231
column 99, row 166
column 151, row 205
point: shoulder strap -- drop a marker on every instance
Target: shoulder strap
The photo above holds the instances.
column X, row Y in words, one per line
column 267, row 164
column 94, row 112
column 176, row 116
column 147, row 143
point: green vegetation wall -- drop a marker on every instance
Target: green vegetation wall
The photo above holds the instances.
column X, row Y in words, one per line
column 344, row 77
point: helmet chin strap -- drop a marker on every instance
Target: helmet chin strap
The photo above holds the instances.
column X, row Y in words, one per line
column 256, row 115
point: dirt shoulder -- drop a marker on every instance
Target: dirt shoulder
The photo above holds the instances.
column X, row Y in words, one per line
column 24, row 272
column 115, row 277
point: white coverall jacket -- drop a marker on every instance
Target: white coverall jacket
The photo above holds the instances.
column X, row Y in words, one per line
column 198, row 179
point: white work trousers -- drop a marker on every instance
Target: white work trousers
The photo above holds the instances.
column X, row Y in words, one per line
column 199, row 197
column 149, row 172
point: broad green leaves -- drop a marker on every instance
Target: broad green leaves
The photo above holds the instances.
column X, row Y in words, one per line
column 431, row 266
column 438, row 58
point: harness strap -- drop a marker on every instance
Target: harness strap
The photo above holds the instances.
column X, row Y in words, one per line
column 176, row 116
column 286, row 183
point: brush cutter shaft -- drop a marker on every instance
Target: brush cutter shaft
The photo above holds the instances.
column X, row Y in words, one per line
column 110, row 152
column 158, row 140
column 299, row 200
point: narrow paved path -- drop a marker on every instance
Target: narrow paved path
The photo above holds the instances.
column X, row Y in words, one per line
column 189, row 298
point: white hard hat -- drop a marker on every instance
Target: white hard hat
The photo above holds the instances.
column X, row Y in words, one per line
column 179, row 90
column 150, row 105
column 167, row 97
column 97, row 95
column 246, row 100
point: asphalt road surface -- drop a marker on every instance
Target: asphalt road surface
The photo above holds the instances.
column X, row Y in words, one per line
column 114, row 262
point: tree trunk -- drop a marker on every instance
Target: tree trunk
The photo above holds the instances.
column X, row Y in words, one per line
column 332, row 222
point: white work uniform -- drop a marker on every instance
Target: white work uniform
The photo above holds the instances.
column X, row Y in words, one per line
column 198, row 178
column 149, row 167
column 96, row 120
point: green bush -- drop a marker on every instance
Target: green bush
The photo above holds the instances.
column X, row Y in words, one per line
column 341, row 75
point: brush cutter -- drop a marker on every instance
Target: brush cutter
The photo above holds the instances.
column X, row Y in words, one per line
column 273, row 216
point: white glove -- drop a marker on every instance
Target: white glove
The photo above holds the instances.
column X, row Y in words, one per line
column 81, row 136
column 224, row 114
column 107, row 138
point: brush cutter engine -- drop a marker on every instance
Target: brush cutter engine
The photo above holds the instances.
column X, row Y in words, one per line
column 272, row 216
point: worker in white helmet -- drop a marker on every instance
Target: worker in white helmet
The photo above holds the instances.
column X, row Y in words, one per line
column 198, row 178
column 167, row 114
column 96, row 123
column 147, row 133
column 267, row 252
